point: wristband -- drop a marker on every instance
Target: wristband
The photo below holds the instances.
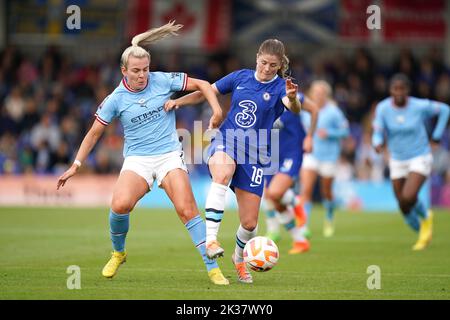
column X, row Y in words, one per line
column 77, row 163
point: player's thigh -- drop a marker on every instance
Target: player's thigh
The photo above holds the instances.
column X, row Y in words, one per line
column 248, row 208
column 222, row 167
column 129, row 188
column 397, row 185
column 412, row 185
column 308, row 178
column 279, row 184
column 178, row 188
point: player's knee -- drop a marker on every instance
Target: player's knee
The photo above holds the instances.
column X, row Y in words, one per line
column 408, row 199
column 121, row 205
column 222, row 178
column 273, row 196
column 186, row 213
column 406, row 204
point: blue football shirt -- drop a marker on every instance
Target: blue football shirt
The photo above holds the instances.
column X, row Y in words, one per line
column 330, row 118
column 254, row 107
column 405, row 126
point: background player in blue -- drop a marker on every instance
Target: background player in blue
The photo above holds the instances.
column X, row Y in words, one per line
column 332, row 126
column 401, row 118
column 282, row 205
column 237, row 152
column 151, row 149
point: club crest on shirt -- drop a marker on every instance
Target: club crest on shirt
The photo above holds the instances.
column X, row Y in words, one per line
column 266, row 96
column 142, row 102
column 400, row 119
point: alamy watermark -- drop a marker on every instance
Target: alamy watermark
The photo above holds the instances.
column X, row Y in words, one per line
column 374, row 280
column 74, row 20
column 247, row 146
column 74, row 280
column 373, row 22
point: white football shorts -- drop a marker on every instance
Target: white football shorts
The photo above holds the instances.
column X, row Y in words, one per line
column 155, row 167
column 401, row 168
column 325, row 169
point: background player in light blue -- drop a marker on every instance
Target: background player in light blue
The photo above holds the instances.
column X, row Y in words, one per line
column 151, row 149
column 282, row 205
column 400, row 121
column 258, row 98
column 332, row 126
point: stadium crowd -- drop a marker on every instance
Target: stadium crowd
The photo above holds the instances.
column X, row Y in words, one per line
column 47, row 105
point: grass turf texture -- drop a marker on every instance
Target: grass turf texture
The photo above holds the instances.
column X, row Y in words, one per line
column 38, row 244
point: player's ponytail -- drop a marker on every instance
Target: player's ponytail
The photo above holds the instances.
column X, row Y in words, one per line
column 276, row 47
column 141, row 42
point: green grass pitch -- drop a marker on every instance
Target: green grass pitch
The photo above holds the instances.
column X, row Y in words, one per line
column 38, row 244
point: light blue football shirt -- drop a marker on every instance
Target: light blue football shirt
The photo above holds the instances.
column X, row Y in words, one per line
column 405, row 126
column 148, row 129
column 330, row 118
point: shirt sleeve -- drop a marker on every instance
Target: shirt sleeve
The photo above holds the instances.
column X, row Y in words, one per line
column 226, row 84
column 340, row 126
column 107, row 110
column 441, row 110
column 177, row 80
column 378, row 128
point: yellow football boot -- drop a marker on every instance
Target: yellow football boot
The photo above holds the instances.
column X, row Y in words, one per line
column 328, row 229
column 113, row 264
column 216, row 276
column 425, row 232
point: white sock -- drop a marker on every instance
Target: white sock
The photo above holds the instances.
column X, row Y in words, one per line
column 242, row 237
column 287, row 218
column 272, row 224
column 214, row 208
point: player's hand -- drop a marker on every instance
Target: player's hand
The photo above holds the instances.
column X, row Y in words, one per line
column 170, row 105
column 308, row 144
column 322, row 133
column 66, row 175
column 215, row 120
column 291, row 89
column 379, row 149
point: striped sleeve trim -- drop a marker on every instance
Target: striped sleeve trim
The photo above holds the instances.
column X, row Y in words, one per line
column 185, row 82
column 103, row 122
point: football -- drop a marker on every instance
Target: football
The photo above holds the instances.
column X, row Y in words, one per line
column 261, row 254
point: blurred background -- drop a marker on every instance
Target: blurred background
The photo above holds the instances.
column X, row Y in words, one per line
column 53, row 77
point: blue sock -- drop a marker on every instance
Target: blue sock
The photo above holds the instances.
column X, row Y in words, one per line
column 270, row 213
column 290, row 225
column 421, row 210
column 412, row 220
column 197, row 230
column 329, row 206
column 118, row 228
column 308, row 207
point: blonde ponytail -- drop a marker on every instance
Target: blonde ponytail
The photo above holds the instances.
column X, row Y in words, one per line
column 141, row 42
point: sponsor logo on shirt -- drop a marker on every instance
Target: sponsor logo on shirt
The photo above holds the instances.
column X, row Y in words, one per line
column 148, row 116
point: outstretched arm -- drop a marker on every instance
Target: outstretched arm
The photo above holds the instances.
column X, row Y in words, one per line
column 86, row 146
column 443, row 111
column 204, row 91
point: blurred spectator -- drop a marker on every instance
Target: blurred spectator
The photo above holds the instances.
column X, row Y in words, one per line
column 369, row 164
column 45, row 134
column 15, row 105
